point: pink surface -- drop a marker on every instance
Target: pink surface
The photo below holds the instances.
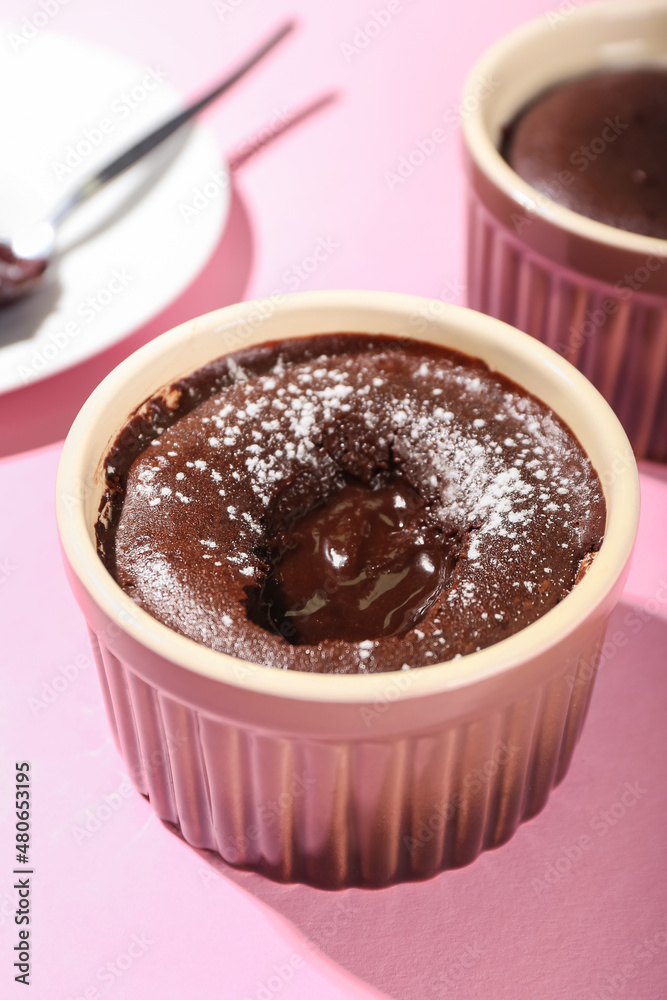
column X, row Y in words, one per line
column 520, row 922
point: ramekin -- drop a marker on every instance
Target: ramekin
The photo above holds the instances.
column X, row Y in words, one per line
column 596, row 294
column 345, row 780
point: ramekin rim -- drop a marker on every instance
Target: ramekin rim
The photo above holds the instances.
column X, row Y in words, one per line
column 488, row 159
column 470, row 669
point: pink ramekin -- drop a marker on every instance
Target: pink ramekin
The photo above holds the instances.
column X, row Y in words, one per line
column 353, row 780
column 596, row 294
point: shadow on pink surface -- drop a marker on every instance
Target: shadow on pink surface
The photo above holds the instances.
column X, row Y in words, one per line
column 654, row 470
column 541, row 915
column 42, row 413
column 278, row 126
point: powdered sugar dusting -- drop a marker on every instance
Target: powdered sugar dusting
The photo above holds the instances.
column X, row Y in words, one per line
column 495, row 467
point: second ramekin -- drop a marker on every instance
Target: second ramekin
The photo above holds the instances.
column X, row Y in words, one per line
column 353, row 780
column 595, row 294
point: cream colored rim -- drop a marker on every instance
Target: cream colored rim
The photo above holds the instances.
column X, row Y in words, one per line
column 554, row 47
column 505, row 349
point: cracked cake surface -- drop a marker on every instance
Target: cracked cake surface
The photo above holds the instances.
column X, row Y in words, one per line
column 348, row 503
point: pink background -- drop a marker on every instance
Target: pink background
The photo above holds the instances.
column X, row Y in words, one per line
column 550, row 914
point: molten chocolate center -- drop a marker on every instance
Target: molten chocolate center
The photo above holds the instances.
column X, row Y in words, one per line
column 368, row 563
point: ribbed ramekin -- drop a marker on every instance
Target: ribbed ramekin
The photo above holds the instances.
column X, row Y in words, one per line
column 596, row 294
column 354, row 780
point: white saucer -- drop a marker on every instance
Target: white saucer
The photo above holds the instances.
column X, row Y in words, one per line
column 70, row 108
